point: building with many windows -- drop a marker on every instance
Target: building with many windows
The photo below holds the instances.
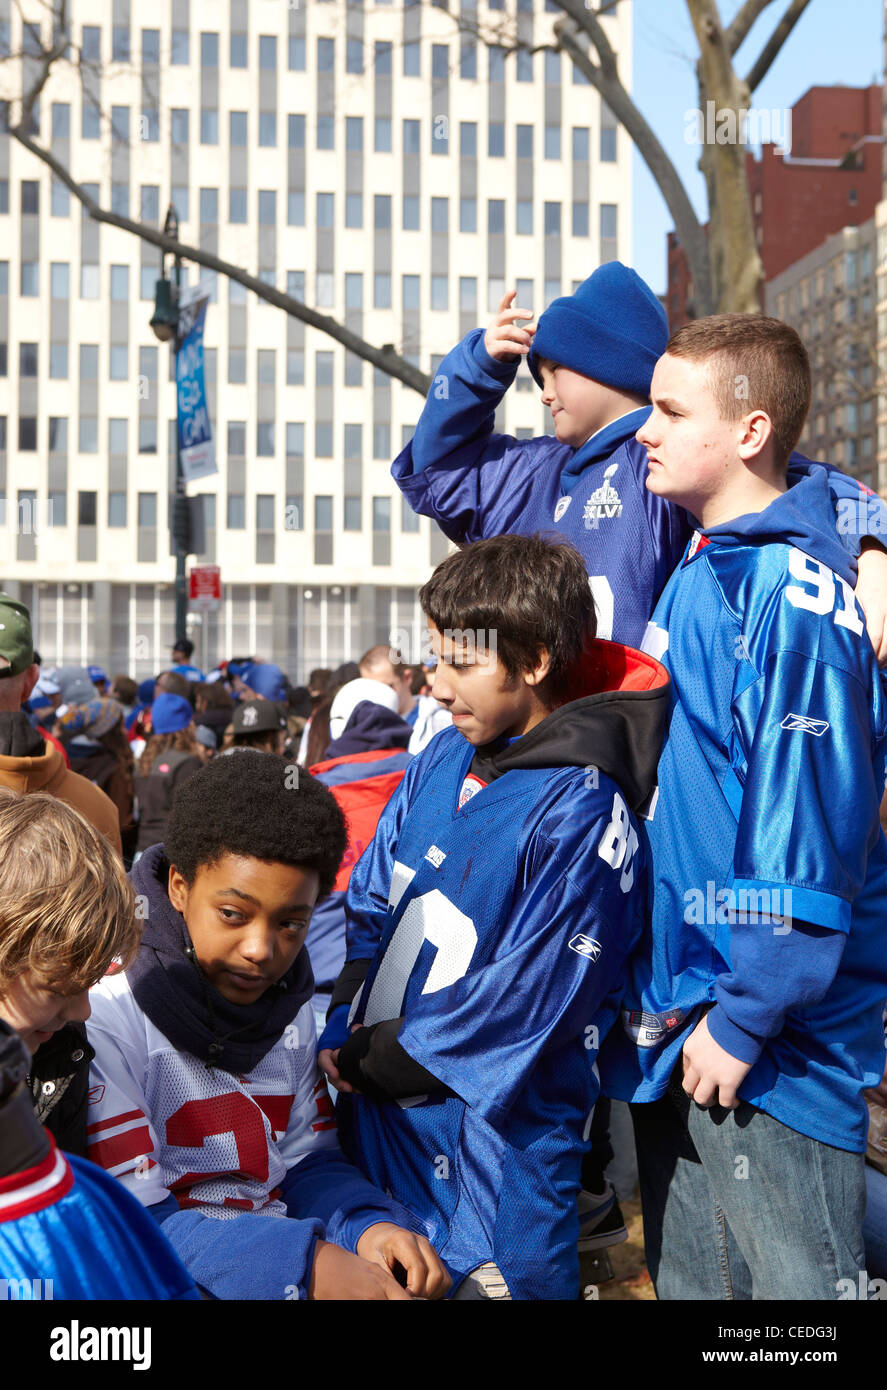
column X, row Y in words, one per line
column 829, row 296
column 371, row 159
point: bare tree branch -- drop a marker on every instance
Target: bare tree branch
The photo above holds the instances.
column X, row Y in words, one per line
column 385, row 357
column 774, row 44
column 738, row 269
column 743, row 21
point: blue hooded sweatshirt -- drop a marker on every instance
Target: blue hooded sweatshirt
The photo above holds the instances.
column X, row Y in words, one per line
column 769, row 866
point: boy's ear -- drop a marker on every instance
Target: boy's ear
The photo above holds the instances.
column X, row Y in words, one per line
column 543, row 665
column 177, row 889
column 756, row 431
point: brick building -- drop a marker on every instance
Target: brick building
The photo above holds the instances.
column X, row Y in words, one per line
column 831, row 179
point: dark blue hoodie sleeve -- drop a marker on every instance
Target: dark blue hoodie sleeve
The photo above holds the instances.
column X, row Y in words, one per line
column 325, row 1186
column 774, row 972
column 472, row 482
column 859, row 513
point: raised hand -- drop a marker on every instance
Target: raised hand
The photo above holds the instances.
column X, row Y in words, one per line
column 506, row 338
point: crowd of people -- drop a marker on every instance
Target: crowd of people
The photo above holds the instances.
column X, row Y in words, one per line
column 390, row 944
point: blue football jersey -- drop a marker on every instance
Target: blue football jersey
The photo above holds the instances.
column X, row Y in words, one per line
column 69, row 1230
column 502, row 929
column 769, row 787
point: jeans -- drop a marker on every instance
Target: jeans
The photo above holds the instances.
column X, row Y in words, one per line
column 738, row 1206
column 876, row 1223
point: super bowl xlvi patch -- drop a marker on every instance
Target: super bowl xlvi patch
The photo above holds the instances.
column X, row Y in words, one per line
column 805, row 724
column 585, row 946
column 605, row 501
column 648, row 1030
column 563, row 504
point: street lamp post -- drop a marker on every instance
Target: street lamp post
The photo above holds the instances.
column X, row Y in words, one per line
column 165, row 324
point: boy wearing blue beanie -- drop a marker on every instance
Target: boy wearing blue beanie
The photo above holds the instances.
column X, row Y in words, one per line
column 593, row 354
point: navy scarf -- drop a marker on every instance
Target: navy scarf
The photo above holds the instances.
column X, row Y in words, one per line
column 170, row 987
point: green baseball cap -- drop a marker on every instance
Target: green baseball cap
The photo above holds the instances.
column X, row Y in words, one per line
column 16, row 639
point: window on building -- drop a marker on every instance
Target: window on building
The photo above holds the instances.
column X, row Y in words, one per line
column 237, row 205
column 525, row 142
column 27, row 433
column 467, row 214
column 552, row 219
column 381, row 291
column 120, row 44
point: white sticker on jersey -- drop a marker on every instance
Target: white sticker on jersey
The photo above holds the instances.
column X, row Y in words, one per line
column 655, row 640
column 602, row 593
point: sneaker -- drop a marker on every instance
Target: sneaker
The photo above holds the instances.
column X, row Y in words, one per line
column 601, row 1222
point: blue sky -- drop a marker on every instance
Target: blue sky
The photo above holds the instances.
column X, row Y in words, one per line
column 835, row 41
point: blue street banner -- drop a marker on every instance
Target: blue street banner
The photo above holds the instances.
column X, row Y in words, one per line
column 196, row 445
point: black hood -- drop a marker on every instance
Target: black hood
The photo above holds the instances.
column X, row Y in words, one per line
column 617, row 725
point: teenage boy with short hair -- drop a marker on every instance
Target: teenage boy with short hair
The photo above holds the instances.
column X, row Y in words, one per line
column 753, row 1013
column 207, row 1102
column 490, row 919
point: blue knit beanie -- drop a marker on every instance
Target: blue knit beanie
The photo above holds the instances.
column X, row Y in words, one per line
column 612, row 329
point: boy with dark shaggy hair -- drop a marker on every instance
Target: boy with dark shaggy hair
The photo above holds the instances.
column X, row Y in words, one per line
column 489, row 921
column 207, row 1103
column 754, row 1006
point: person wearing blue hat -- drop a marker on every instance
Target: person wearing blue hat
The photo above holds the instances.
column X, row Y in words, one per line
column 171, row 755
column 99, row 679
column 266, row 681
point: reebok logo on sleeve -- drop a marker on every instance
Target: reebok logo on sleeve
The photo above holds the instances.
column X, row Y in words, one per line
column 805, row 724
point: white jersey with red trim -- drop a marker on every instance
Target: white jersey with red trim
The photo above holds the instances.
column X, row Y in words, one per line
column 163, row 1122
